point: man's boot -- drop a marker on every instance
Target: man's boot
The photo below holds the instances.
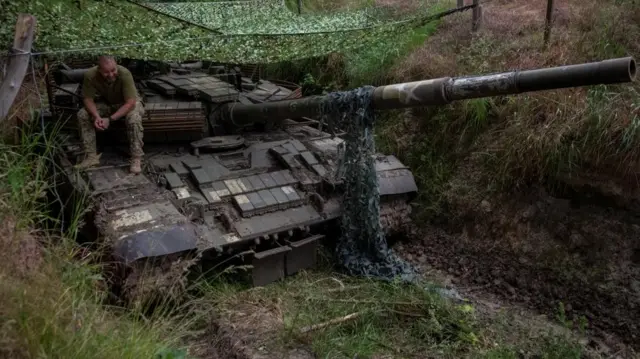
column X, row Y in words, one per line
column 136, row 166
column 91, row 159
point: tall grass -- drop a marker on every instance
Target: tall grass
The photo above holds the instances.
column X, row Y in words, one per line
column 51, row 293
column 502, row 144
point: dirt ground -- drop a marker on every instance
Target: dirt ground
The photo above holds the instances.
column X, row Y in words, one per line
column 540, row 252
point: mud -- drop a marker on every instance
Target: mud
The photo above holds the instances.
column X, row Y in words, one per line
column 540, row 251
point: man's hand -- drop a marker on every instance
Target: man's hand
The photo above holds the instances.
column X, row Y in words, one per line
column 97, row 123
column 101, row 123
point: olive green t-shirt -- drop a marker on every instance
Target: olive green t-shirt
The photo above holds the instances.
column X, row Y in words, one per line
column 116, row 93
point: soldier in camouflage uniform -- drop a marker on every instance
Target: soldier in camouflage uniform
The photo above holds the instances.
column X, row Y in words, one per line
column 115, row 85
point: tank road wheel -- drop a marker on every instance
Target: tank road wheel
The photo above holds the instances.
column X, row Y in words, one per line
column 157, row 282
column 395, row 217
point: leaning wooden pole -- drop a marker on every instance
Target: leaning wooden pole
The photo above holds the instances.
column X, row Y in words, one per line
column 17, row 63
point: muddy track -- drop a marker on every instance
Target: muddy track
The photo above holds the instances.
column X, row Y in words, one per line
column 543, row 254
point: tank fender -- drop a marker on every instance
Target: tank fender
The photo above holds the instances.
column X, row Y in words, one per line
column 394, row 177
column 157, row 242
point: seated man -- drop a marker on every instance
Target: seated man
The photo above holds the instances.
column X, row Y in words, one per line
column 114, row 83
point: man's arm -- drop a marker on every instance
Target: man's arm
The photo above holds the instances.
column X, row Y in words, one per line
column 88, row 93
column 129, row 93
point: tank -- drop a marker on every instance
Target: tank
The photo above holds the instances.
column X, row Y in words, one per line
column 239, row 169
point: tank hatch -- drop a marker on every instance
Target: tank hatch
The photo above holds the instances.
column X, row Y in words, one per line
column 217, row 143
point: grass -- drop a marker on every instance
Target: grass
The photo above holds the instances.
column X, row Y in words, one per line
column 51, row 298
column 372, row 319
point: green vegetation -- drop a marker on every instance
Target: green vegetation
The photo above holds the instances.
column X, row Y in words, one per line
column 51, row 299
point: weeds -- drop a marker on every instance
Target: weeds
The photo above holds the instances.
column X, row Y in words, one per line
column 370, row 317
column 51, row 303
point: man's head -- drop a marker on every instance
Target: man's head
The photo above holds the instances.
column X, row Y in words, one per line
column 108, row 68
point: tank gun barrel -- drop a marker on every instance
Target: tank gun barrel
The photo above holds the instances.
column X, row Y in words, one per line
column 445, row 90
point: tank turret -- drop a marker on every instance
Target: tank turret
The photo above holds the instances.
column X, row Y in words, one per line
column 441, row 91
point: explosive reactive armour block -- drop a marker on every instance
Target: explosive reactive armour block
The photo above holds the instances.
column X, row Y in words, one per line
column 269, row 266
column 173, row 180
column 302, row 254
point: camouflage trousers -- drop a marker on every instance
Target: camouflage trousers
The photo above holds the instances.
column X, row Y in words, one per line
column 133, row 121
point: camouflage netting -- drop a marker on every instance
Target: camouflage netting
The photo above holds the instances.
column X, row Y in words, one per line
column 264, row 17
column 243, row 33
column 363, row 249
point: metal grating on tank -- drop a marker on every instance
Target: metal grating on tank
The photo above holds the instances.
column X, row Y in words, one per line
column 114, row 179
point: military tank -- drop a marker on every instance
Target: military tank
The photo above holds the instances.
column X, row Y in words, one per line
column 241, row 168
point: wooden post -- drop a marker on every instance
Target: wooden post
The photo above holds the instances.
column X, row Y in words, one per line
column 548, row 23
column 299, row 7
column 460, row 3
column 477, row 16
column 17, row 63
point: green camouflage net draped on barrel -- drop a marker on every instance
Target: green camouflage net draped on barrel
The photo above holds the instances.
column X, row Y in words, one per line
column 362, row 250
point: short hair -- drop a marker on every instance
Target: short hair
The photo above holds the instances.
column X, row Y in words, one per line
column 103, row 59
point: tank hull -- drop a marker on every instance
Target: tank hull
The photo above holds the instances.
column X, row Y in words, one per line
column 267, row 203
